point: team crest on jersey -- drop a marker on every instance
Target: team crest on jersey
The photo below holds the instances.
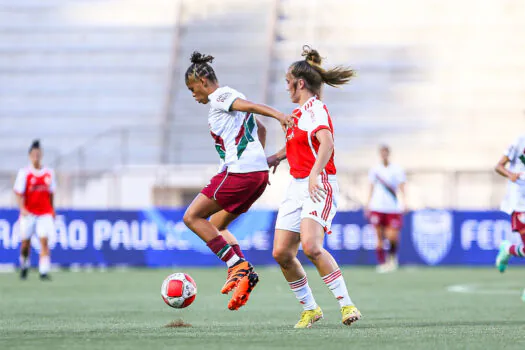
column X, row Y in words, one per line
column 47, row 180
column 521, row 218
column 432, row 234
column 224, row 97
column 33, row 181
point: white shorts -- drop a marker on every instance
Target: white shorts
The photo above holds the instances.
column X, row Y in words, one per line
column 42, row 225
column 298, row 205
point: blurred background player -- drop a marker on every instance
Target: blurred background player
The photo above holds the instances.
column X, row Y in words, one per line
column 514, row 201
column 384, row 207
column 310, row 204
column 242, row 177
column 34, row 188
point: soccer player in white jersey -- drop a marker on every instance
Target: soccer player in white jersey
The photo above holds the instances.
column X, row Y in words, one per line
column 242, row 176
column 310, row 203
column 386, row 203
column 34, row 188
column 514, row 201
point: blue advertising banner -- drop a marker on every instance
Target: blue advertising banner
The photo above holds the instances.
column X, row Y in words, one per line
column 157, row 238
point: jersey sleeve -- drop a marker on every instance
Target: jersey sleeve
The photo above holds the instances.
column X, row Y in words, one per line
column 319, row 119
column 20, row 182
column 223, row 98
column 512, row 151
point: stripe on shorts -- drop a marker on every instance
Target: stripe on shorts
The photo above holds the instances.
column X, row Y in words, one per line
column 219, row 187
column 328, row 199
column 332, row 276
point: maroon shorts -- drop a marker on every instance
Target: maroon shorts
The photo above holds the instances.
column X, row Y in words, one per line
column 236, row 192
column 386, row 219
column 518, row 222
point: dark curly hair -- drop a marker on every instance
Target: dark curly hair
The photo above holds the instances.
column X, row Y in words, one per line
column 200, row 68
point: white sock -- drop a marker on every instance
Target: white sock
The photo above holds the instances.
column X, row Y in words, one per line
column 44, row 265
column 337, row 285
column 24, row 262
column 233, row 260
column 303, row 293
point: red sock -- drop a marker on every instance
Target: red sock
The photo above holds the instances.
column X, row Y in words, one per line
column 237, row 250
column 223, row 250
column 380, row 256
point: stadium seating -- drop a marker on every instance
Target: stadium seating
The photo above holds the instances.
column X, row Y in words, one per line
column 92, row 79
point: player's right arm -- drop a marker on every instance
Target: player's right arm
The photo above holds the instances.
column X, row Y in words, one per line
column 20, row 189
column 503, row 171
column 370, row 191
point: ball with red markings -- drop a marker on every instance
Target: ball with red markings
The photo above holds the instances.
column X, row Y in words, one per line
column 178, row 290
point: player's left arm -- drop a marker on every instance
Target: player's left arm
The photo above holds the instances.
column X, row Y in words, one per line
column 326, row 148
column 261, row 132
column 242, row 105
column 52, row 189
column 402, row 189
column 403, row 195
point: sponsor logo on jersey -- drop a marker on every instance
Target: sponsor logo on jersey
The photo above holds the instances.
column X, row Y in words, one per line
column 313, row 213
column 224, row 97
column 432, row 234
column 522, row 156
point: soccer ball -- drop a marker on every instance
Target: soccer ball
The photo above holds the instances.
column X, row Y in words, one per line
column 178, row 290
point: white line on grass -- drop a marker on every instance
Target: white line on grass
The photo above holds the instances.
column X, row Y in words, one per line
column 479, row 289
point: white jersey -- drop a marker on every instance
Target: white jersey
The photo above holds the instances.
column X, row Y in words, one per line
column 235, row 134
column 386, row 181
column 515, row 197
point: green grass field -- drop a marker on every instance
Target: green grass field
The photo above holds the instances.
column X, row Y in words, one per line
column 411, row 309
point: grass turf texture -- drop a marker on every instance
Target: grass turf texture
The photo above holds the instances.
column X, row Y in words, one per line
column 410, row 309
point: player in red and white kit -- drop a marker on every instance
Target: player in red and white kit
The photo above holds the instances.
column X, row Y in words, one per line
column 242, row 176
column 310, row 203
column 34, row 188
column 514, row 201
column 385, row 207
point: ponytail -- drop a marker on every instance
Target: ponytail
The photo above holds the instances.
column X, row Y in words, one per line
column 314, row 75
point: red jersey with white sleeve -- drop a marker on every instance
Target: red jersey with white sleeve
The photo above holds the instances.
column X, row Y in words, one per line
column 36, row 185
column 301, row 144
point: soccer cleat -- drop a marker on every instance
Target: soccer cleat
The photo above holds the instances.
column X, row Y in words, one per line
column 235, row 274
column 502, row 260
column 242, row 292
column 350, row 314
column 309, row 317
column 383, row 268
column 45, row 277
column 23, row 273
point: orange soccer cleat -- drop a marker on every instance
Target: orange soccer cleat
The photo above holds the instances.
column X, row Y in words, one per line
column 235, row 274
column 242, row 292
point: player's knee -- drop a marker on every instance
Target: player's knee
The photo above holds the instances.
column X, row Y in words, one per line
column 283, row 256
column 312, row 251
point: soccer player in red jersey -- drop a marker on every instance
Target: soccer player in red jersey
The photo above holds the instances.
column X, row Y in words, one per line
column 385, row 209
column 242, row 175
column 34, row 188
column 306, row 213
